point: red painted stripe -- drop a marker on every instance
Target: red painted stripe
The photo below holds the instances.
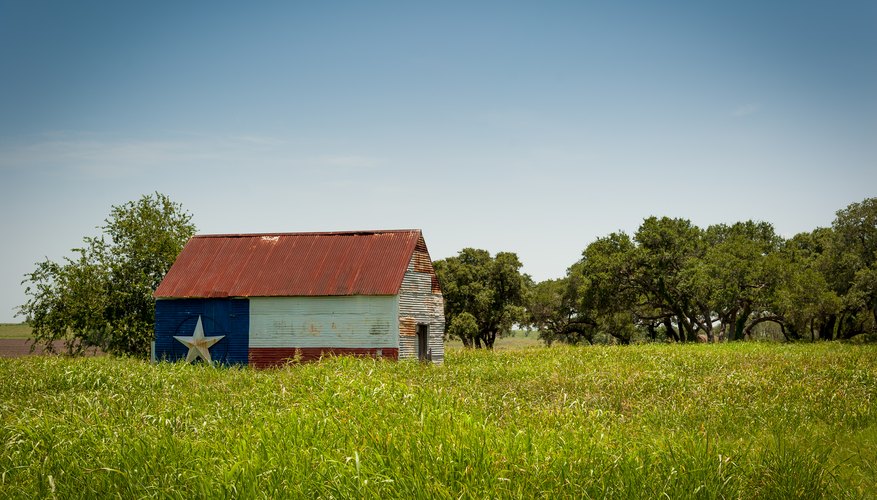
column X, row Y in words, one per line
column 265, row 357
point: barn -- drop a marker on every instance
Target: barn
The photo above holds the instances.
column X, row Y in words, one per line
column 266, row 299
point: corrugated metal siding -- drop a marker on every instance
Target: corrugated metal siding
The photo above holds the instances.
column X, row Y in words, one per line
column 265, row 357
column 420, row 302
column 229, row 317
column 324, row 322
column 291, row 264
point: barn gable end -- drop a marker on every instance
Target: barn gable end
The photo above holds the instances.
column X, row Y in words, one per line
column 420, row 303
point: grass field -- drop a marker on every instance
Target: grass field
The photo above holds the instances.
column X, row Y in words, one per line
column 517, row 340
column 14, row 331
column 692, row 421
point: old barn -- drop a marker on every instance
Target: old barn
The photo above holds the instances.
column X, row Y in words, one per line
column 265, row 299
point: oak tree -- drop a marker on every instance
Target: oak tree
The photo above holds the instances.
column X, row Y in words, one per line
column 102, row 296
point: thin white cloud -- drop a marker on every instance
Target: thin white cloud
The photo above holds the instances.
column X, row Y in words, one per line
column 745, row 110
column 259, row 139
column 107, row 156
column 349, row 161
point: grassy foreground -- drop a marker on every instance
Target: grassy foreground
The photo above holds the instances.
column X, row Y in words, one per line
column 700, row 421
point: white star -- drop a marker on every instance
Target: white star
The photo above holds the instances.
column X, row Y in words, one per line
column 198, row 344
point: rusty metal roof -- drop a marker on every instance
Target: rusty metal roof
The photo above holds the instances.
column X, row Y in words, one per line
column 291, row 264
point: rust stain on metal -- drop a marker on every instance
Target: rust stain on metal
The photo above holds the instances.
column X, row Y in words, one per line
column 407, row 326
column 294, row 264
column 422, row 262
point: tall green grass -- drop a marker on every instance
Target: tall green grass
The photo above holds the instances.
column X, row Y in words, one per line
column 699, row 421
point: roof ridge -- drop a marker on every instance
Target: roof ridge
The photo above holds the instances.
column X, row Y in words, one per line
column 309, row 233
column 291, row 264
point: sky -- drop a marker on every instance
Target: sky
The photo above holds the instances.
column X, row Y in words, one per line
column 531, row 127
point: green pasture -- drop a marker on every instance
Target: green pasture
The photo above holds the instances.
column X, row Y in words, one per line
column 516, row 340
column 650, row 421
column 14, row 331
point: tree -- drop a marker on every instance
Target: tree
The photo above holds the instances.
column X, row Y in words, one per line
column 490, row 289
column 102, row 296
column 679, row 280
column 464, row 326
column 611, row 286
column 737, row 274
column 675, row 279
column 854, row 266
column 554, row 309
column 830, row 278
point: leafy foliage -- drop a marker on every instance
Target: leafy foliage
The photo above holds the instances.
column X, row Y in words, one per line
column 489, row 289
column 103, row 295
column 673, row 280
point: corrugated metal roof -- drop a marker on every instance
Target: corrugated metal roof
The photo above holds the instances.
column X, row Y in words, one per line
column 291, row 264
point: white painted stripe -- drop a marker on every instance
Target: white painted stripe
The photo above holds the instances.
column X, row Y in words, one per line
column 355, row 321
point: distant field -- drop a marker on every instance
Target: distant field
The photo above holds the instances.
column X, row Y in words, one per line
column 746, row 420
column 14, row 331
column 519, row 339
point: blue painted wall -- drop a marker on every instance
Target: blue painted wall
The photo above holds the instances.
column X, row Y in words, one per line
column 229, row 317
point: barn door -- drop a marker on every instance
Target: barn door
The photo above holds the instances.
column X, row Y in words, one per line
column 423, row 353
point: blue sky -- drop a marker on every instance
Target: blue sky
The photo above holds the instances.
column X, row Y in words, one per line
column 527, row 127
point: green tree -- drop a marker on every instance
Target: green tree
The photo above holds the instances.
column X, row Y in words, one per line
column 853, row 270
column 675, row 279
column 830, row 278
column 102, row 296
column 554, row 308
column 736, row 276
column 803, row 303
column 491, row 289
column 464, row 326
column 611, row 286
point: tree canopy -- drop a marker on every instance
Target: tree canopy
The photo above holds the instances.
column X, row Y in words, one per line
column 675, row 281
column 102, row 296
column 484, row 295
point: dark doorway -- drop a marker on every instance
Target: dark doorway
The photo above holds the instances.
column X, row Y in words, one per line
column 423, row 353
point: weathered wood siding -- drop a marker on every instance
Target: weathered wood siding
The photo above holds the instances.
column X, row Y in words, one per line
column 420, row 302
column 281, row 325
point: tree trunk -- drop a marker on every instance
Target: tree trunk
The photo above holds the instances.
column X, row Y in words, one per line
column 826, row 329
column 731, row 327
column 783, row 329
column 708, row 326
column 489, row 340
column 671, row 332
column 774, row 319
column 686, row 331
column 740, row 325
column 847, row 327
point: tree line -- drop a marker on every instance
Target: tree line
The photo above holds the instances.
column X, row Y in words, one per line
column 669, row 281
column 674, row 281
